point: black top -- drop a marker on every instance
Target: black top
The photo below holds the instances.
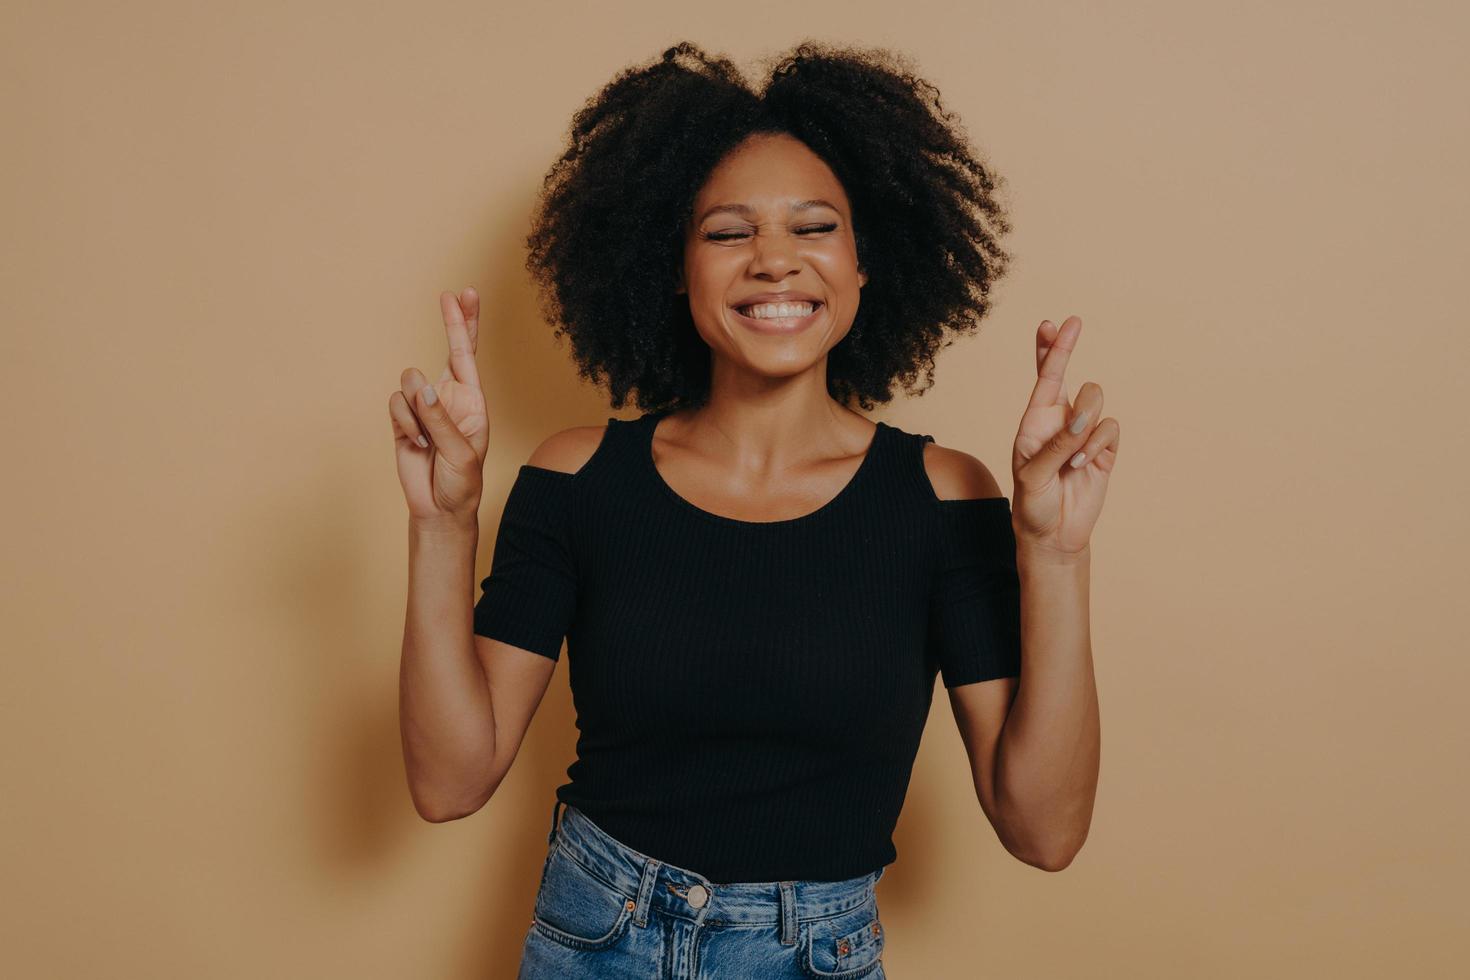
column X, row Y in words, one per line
column 750, row 694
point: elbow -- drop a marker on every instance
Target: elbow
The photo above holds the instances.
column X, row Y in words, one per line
column 1047, row 855
column 1050, row 844
column 440, row 815
column 443, row 808
column 1055, row 861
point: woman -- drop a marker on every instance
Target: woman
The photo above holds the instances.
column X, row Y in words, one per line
column 756, row 584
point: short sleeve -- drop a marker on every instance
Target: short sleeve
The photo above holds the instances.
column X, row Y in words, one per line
column 975, row 599
column 529, row 596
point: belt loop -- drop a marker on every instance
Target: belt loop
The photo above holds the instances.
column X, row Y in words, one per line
column 645, row 891
column 555, row 810
column 788, row 913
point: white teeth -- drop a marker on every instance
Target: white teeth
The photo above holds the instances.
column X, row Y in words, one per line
column 771, row 311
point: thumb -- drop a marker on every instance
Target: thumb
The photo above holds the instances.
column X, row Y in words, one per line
column 1060, row 448
column 445, row 437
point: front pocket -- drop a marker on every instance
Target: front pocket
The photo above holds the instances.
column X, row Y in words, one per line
column 845, row 946
column 578, row 909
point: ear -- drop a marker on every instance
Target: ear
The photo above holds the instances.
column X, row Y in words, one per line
column 862, row 278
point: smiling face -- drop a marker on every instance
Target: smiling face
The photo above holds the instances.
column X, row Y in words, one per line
column 771, row 219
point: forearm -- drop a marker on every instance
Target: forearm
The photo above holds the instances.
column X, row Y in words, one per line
column 1048, row 754
column 444, row 711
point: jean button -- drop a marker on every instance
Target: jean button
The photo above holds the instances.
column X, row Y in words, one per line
column 698, row 896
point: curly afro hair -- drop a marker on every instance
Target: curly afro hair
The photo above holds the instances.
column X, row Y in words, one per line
column 606, row 237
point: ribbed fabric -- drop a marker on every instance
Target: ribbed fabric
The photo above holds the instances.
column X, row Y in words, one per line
column 751, row 695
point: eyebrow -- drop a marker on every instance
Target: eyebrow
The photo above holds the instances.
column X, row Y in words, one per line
column 745, row 210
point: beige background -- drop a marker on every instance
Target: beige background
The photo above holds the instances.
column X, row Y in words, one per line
column 226, row 227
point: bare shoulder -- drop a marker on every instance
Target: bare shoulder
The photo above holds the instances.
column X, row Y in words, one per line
column 568, row 450
column 956, row 475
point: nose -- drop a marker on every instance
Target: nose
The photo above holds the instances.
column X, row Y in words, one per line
column 775, row 255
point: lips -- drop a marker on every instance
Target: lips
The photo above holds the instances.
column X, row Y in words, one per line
column 783, row 296
column 780, row 324
column 816, row 304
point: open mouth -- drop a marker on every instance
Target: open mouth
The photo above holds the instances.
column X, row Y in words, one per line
column 778, row 317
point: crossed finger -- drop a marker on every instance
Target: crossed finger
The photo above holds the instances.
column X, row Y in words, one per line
column 461, row 328
column 1046, row 335
column 1051, row 382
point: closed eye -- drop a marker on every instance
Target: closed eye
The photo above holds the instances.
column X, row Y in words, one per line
column 725, row 236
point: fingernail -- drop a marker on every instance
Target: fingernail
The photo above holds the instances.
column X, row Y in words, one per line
column 1078, row 423
column 1078, row 460
column 431, row 396
column 425, row 443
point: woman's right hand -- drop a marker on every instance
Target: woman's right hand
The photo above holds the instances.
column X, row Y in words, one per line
column 442, row 480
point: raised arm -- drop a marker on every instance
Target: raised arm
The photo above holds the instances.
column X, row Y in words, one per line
column 979, row 709
column 465, row 701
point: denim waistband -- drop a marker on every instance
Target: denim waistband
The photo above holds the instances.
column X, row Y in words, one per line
column 651, row 884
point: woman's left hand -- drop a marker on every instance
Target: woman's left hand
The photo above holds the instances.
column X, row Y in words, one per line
column 1056, row 504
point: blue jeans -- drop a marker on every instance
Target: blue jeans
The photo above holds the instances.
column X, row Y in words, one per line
column 606, row 911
